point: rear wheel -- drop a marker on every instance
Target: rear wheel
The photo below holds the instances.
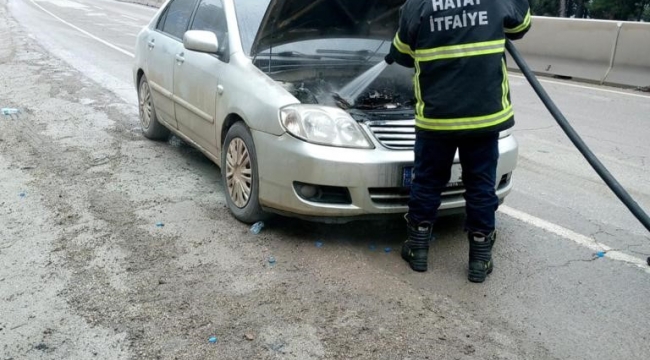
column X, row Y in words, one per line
column 151, row 128
column 240, row 176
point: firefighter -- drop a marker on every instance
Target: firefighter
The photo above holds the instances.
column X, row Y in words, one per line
column 457, row 48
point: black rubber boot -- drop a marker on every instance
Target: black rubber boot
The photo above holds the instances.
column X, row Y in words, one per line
column 480, row 256
column 416, row 249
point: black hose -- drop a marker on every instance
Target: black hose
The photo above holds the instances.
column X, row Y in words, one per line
column 613, row 184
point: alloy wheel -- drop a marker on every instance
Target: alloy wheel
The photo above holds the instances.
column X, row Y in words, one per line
column 145, row 105
column 238, row 173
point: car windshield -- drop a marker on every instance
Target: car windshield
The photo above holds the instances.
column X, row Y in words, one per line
column 249, row 17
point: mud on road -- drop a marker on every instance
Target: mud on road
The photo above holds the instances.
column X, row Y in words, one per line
column 87, row 273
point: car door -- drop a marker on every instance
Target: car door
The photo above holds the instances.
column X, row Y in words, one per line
column 197, row 76
column 163, row 44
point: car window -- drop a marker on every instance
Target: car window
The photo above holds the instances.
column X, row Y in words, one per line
column 249, row 17
column 210, row 16
column 161, row 20
column 177, row 17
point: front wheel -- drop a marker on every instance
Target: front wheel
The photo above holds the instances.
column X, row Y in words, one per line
column 151, row 127
column 240, row 176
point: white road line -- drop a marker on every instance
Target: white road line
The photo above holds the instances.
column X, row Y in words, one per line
column 575, row 237
column 114, row 47
column 585, row 87
column 135, row 26
column 129, row 17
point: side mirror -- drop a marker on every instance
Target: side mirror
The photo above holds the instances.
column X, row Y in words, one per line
column 201, row 41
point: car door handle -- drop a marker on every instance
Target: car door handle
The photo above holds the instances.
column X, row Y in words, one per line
column 151, row 44
column 219, row 89
column 180, row 58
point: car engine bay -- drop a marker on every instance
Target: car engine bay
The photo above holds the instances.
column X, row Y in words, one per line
column 393, row 90
column 383, row 94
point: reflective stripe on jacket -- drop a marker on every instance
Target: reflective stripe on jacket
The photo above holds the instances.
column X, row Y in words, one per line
column 457, row 48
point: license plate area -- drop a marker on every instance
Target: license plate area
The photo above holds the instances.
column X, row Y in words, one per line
column 456, row 179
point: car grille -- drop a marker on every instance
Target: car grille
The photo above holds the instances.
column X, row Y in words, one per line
column 399, row 196
column 394, row 134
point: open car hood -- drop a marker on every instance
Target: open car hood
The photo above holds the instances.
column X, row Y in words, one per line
column 289, row 21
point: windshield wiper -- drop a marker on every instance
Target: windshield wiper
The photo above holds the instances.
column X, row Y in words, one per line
column 351, row 52
column 335, row 54
column 293, row 54
column 363, row 54
column 360, row 54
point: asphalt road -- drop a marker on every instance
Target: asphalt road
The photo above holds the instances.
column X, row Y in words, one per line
column 549, row 293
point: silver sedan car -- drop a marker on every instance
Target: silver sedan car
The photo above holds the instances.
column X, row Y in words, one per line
column 262, row 88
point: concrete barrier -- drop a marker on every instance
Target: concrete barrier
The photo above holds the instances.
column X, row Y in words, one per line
column 631, row 64
column 579, row 49
column 609, row 52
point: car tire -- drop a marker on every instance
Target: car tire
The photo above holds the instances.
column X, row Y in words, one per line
column 151, row 127
column 240, row 176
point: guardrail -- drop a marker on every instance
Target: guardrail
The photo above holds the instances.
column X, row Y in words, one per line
column 606, row 52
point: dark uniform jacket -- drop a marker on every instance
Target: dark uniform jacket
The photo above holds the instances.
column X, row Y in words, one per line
column 457, row 48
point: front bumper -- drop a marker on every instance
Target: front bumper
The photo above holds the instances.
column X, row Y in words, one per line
column 373, row 178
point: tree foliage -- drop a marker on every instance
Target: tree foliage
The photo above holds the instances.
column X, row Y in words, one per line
column 646, row 14
column 545, row 7
column 633, row 10
column 618, row 9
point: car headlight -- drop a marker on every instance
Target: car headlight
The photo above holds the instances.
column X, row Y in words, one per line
column 324, row 125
